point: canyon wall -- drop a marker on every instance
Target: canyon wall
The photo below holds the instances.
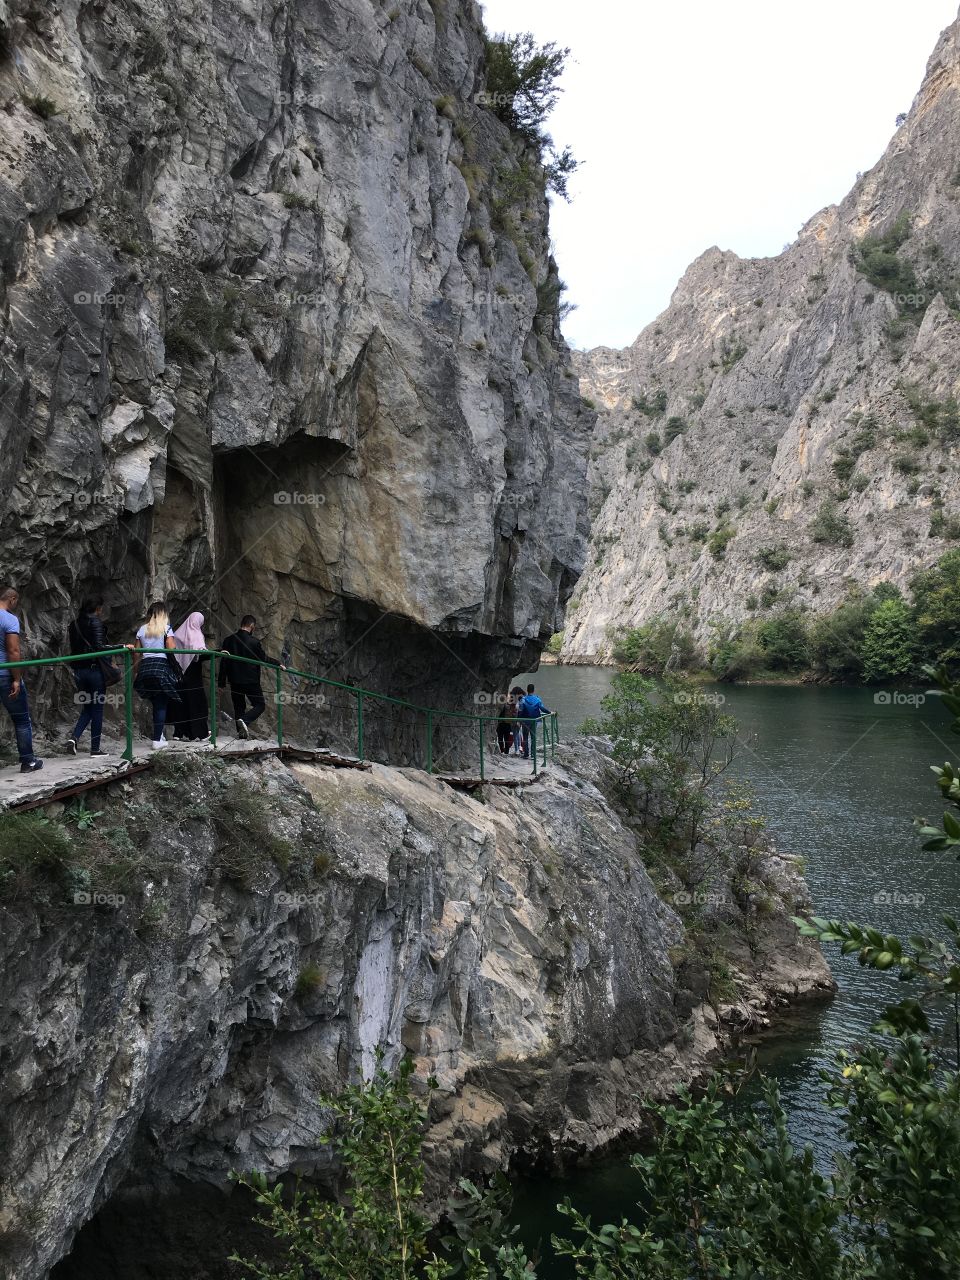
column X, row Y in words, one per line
column 278, row 334
column 227, row 942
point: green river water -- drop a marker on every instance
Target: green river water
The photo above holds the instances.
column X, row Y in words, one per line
column 839, row 777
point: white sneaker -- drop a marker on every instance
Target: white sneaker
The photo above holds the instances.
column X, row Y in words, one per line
column 242, row 730
column 162, row 743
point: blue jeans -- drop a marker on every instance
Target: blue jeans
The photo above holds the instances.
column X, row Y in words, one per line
column 20, row 715
column 159, row 703
column 91, row 688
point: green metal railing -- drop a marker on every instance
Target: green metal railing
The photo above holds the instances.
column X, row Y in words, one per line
column 549, row 724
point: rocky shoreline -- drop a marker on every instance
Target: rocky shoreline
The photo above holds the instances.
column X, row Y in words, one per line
column 278, row 924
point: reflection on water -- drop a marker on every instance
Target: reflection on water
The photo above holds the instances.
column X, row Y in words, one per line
column 839, row 777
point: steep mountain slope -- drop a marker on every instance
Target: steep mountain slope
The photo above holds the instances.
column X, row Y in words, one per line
column 788, row 427
column 279, row 334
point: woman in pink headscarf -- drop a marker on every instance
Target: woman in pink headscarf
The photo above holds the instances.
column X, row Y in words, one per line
column 191, row 718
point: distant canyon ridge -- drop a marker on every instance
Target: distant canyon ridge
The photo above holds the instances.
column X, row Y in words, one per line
column 786, row 432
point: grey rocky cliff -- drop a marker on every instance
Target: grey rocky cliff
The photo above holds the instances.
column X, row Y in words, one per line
column 278, row 334
column 513, row 943
column 773, row 370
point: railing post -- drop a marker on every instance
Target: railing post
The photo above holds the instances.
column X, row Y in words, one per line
column 279, row 707
column 359, row 726
column 553, row 737
column 543, row 722
column 480, row 727
column 214, row 711
column 429, row 742
column 532, row 724
column 128, row 702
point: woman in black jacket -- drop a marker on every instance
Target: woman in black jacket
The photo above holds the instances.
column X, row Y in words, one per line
column 88, row 635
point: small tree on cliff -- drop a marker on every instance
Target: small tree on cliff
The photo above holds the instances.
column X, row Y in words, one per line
column 378, row 1230
column 522, row 89
column 671, row 742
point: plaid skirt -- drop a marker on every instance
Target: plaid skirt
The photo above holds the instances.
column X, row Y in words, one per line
column 155, row 675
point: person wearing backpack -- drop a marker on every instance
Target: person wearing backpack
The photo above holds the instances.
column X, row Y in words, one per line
column 531, row 708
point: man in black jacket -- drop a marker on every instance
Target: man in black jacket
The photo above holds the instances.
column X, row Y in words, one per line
column 243, row 677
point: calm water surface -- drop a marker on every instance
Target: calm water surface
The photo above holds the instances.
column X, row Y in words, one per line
column 839, row 778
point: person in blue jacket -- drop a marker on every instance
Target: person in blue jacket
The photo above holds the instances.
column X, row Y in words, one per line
column 531, row 708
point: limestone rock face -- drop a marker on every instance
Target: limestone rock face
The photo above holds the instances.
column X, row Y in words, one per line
column 513, row 944
column 279, row 335
column 770, row 387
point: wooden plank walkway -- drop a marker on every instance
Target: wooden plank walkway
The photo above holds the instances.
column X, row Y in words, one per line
column 63, row 777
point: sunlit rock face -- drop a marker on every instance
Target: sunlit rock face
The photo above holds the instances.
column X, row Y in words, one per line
column 279, row 336
column 772, row 386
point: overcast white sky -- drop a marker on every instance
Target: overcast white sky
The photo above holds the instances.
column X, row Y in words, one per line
column 703, row 123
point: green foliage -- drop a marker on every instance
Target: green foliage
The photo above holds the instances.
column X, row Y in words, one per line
column 936, row 596
column 940, row 417
column 522, row 89
column 836, row 640
column 657, row 646
column 783, row 641
column 889, row 642
column 294, row 200
column 877, row 258
column 773, row 559
column 247, row 841
column 653, row 442
column 204, row 325
column 652, row 407
column 43, row 107
column 32, row 849
column 309, row 980
column 830, row 527
column 671, row 743
column 719, row 540
column 675, row 427
column 732, row 350
column 555, row 643
column 378, row 1230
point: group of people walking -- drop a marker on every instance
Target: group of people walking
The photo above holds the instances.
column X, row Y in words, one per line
column 514, row 721
column 171, row 678
column 171, row 682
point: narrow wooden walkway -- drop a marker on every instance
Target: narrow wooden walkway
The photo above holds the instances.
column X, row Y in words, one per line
column 66, row 776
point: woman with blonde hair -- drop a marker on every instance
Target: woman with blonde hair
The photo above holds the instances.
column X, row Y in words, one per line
column 154, row 679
